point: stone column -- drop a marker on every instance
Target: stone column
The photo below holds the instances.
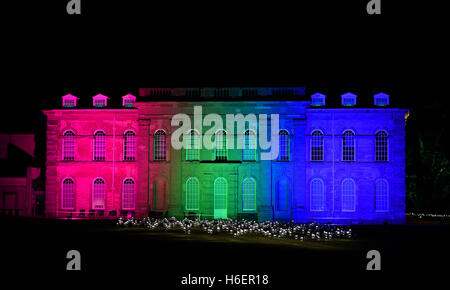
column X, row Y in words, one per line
column 265, row 209
column 142, row 187
column 51, row 182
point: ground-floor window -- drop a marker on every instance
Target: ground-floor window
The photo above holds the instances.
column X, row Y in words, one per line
column 248, row 194
column 317, row 195
column 192, row 194
column 128, row 194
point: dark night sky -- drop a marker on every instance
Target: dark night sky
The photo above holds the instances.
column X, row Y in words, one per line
column 330, row 46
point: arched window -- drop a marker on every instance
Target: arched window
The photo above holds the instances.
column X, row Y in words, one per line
column 317, row 146
column 192, row 194
column 221, row 145
column 129, row 146
column 98, row 194
column 381, row 146
column 248, row 194
column 348, row 195
column 249, row 151
column 160, row 145
column 99, row 146
column 193, row 146
column 284, row 145
column 128, row 194
column 317, row 195
column 69, row 145
column 220, row 197
column 68, row 194
column 348, row 146
column 381, row 195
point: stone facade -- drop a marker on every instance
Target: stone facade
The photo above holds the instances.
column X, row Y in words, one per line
column 282, row 187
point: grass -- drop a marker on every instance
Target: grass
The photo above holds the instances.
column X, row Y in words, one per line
column 42, row 244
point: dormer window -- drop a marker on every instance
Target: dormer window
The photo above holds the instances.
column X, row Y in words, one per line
column 100, row 101
column 318, row 100
column 69, row 101
column 348, row 100
column 381, row 99
column 128, row 100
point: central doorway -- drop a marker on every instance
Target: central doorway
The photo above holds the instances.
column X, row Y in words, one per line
column 220, row 198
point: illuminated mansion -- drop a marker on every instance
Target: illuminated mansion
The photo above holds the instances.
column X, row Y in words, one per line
column 339, row 164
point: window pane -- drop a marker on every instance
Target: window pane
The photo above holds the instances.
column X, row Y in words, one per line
column 317, row 195
column 381, row 146
column 249, row 151
column 317, row 146
column 98, row 194
column 249, row 194
column 193, row 146
column 192, row 194
column 348, row 195
column 69, row 146
column 129, row 146
column 221, row 145
column 128, row 194
column 284, row 145
column 348, row 146
column 68, row 194
column 160, row 145
column 382, row 196
column 99, row 146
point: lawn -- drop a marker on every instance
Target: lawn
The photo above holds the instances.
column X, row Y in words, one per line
column 41, row 244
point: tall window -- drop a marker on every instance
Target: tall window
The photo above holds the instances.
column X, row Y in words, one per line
column 128, row 194
column 221, row 145
column 69, row 146
column 284, row 145
column 249, row 151
column 220, row 193
column 317, row 146
column 99, row 146
column 348, row 146
column 348, row 195
column 129, row 146
column 193, row 146
column 381, row 146
column 160, row 145
column 381, row 195
column 317, row 195
column 192, row 194
column 98, row 194
column 68, row 194
column 248, row 194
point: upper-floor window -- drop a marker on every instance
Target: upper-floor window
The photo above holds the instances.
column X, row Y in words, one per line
column 348, row 195
column 249, row 151
column 284, row 145
column 348, row 146
column 99, row 101
column 193, row 145
column 69, row 101
column 317, row 195
column 248, row 194
column 98, row 194
column 128, row 100
column 69, row 145
column 381, row 99
column 381, row 195
column 192, row 194
column 160, row 145
column 381, row 146
column 129, row 146
column 348, row 99
column 99, row 146
column 68, row 194
column 221, row 145
column 128, row 194
column 318, row 100
column 317, row 146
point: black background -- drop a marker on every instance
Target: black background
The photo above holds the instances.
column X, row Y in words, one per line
column 115, row 47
